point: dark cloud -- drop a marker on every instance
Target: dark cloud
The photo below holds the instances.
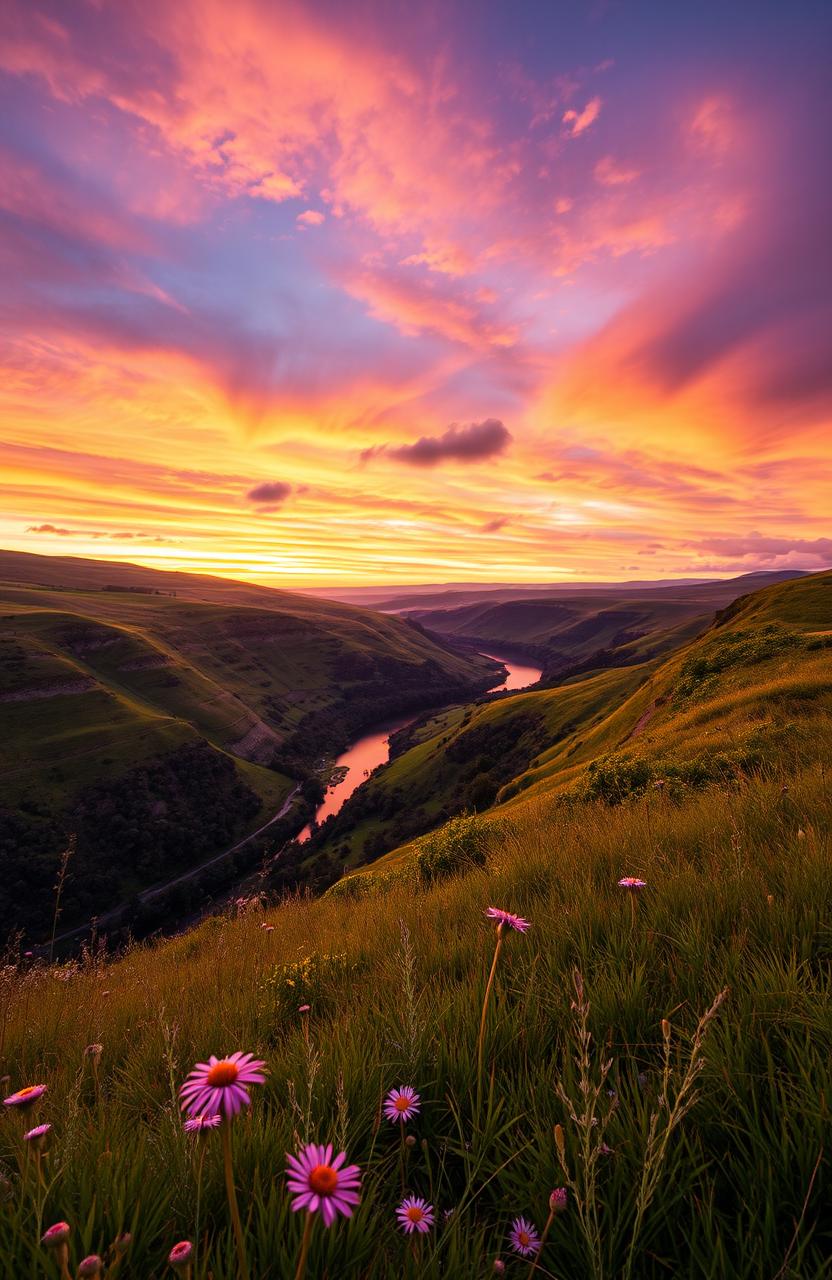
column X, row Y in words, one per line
column 468, row 443
column 269, row 496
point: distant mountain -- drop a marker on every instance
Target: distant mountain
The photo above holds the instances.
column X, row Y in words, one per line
column 453, row 594
column 160, row 715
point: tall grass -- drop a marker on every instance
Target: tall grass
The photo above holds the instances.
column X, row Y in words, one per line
column 715, row 1160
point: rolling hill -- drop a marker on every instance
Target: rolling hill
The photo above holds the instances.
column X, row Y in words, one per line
column 568, row 631
column 129, row 693
column 753, row 692
column 678, row 1040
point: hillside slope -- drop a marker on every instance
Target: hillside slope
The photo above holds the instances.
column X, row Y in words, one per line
column 110, row 684
column 593, row 1024
column 753, row 692
column 570, row 632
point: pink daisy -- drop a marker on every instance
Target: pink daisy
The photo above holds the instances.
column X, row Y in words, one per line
column 219, row 1085
column 632, row 882
column 402, row 1104
column 319, row 1183
column 180, row 1255
column 510, row 921
column 198, row 1124
column 523, row 1237
column 25, row 1097
column 57, row 1234
column 415, row 1214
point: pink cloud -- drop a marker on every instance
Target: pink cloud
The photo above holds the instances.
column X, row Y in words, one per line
column 310, row 218
column 577, row 122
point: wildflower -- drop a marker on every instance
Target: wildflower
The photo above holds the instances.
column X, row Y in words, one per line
column 122, row 1243
column 220, row 1084
column 304, row 1008
column 37, row 1136
column 57, row 1234
column 632, row 882
column 499, row 1267
column 508, row 919
column 94, row 1051
column 198, row 1124
column 25, row 1098
column 402, row 1104
column 505, row 920
column 447, row 1214
column 267, row 928
column 523, row 1237
column 558, row 1200
column 320, row 1184
column 180, row 1255
column 90, row 1266
column 415, row 1214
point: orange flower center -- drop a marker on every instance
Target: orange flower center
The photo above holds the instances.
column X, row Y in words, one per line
column 524, row 1238
column 402, row 1103
column 222, row 1074
column 415, row 1214
column 323, row 1180
column 30, row 1088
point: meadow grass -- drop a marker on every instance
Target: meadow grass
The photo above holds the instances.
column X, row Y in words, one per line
column 717, row 1162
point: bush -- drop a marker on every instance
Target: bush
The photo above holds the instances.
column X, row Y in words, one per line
column 453, row 849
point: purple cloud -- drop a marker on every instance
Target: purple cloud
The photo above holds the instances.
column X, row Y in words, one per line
column 269, row 496
column 469, row 443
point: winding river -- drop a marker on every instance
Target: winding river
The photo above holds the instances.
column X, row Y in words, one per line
column 373, row 749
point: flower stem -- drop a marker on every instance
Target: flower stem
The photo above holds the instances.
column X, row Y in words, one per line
column 242, row 1264
column 489, row 985
column 304, row 1247
column 546, row 1230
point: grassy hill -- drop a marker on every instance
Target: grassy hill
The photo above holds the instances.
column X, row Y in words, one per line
column 108, row 680
column 698, row 1150
column 754, row 690
column 578, row 631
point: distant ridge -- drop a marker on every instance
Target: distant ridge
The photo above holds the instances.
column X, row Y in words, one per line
column 452, row 595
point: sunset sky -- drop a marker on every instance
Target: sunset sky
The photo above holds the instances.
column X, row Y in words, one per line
column 360, row 292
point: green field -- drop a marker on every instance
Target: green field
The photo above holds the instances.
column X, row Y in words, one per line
column 109, row 669
column 687, row 1151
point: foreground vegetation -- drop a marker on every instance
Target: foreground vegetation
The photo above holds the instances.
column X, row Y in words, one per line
column 736, row 898
column 643, row 1077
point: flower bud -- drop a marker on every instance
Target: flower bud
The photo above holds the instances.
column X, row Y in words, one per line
column 57, row 1234
column 499, row 1267
column 90, row 1266
column 560, row 1141
column 559, row 1200
column 180, row 1255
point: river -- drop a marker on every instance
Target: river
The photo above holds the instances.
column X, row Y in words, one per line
column 372, row 750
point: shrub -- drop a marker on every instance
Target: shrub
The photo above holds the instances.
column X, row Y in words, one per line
column 453, row 849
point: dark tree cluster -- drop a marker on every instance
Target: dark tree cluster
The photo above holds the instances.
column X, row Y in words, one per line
column 152, row 822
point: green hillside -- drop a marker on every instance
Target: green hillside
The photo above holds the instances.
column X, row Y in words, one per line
column 754, row 691
column 594, row 627
column 666, row 1057
column 104, row 674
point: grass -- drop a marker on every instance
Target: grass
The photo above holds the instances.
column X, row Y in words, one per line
column 737, row 887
